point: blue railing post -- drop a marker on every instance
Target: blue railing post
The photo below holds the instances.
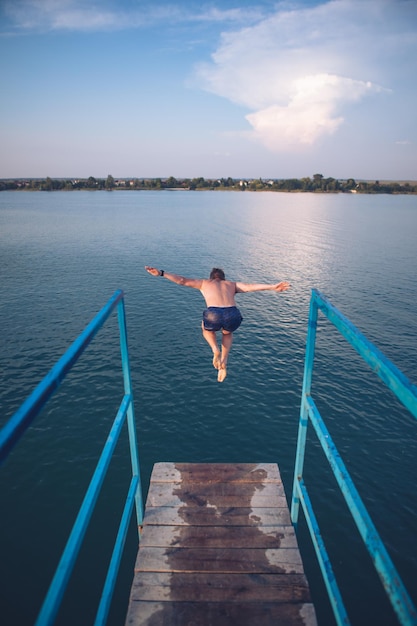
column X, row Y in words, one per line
column 130, row 413
column 303, row 423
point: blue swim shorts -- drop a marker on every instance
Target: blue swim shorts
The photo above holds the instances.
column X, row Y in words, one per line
column 218, row 317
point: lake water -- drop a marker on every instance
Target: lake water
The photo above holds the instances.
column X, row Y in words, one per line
column 62, row 255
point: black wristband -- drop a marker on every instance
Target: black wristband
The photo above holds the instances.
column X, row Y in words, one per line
column 161, row 272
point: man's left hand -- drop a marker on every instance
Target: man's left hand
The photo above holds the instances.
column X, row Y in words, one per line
column 282, row 286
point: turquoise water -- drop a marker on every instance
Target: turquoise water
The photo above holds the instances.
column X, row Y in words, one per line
column 61, row 257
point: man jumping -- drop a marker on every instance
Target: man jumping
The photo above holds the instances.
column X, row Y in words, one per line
column 221, row 312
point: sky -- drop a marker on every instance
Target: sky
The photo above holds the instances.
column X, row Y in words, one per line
column 149, row 88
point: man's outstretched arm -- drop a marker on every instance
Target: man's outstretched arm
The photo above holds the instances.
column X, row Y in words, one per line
column 248, row 287
column 196, row 283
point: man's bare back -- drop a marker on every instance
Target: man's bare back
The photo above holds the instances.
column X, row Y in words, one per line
column 218, row 292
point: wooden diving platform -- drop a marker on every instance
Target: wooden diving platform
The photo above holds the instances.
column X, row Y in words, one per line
column 218, row 549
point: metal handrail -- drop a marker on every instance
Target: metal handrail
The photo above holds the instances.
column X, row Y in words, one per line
column 407, row 394
column 20, row 422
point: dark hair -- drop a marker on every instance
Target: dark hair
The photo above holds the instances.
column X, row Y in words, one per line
column 216, row 272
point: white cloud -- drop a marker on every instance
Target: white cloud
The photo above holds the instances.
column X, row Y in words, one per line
column 310, row 112
column 300, row 70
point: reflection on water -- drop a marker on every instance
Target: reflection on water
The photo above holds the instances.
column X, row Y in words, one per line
column 61, row 257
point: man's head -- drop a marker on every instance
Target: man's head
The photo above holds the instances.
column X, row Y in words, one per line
column 217, row 273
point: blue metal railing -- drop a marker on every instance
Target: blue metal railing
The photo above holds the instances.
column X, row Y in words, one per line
column 407, row 393
column 21, row 420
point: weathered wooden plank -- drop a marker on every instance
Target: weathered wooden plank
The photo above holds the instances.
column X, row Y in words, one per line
column 219, row 494
column 256, row 560
column 219, row 536
column 220, row 614
column 212, row 587
column 216, row 472
column 215, row 516
column 218, row 548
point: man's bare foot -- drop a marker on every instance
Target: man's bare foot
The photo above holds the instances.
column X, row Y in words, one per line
column 222, row 373
column 217, row 360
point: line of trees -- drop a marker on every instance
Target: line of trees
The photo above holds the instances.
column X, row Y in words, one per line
column 318, row 183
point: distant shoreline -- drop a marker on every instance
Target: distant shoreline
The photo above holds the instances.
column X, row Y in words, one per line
column 293, row 191
column 317, row 184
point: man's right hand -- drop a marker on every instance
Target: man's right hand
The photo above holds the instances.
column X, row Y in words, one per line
column 152, row 270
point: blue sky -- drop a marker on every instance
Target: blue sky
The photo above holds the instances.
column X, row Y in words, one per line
column 142, row 88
